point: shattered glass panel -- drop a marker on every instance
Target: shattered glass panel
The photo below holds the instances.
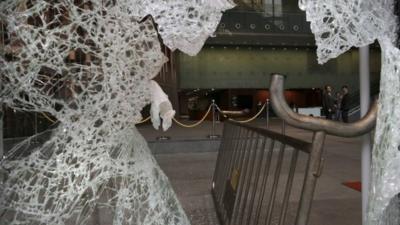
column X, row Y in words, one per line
column 89, row 64
column 341, row 24
column 338, row 26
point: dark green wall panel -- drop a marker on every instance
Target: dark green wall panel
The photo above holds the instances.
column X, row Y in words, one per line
column 249, row 67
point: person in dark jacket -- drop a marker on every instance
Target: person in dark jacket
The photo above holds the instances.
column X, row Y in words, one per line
column 338, row 103
column 328, row 102
column 345, row 104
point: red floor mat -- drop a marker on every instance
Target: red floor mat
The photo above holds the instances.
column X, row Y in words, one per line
column 356, row 185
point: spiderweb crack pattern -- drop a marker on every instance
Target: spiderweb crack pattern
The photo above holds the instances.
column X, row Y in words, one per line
column 338, row 26
column 89, row 63
column 342, row 24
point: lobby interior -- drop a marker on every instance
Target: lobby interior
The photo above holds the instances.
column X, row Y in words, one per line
column 230, row 80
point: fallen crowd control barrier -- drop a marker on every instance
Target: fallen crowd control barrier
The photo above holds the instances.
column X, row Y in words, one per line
column 263, row 177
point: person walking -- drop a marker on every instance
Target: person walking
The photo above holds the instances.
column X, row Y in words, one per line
column 328, row 102
column 345, row 105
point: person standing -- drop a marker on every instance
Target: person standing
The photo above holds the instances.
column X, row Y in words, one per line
column 338, row 103
column 328, row 102
column 345, row 106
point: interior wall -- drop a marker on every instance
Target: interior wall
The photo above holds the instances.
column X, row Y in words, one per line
column 250, row 67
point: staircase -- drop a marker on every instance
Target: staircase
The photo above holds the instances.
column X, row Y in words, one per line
column 354, row 113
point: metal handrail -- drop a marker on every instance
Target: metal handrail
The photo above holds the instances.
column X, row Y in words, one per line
column 281, row 108
column 295, row 143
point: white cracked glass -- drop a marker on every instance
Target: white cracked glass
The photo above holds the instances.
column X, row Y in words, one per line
column 339, row 25
column 88, row 64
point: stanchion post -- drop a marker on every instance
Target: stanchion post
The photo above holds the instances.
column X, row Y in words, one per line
column 2, row 112
column 1, row 132
column 35, row 140
column 36, row 123
column 163, row 138
column 267, row 112
column 213, row 111
column 213, row 117
column 217, row 115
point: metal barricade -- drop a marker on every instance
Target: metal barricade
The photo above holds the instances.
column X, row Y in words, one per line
column 249, row 176
column 263, row 177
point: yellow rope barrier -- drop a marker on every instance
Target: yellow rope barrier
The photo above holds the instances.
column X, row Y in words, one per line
column 48, row 118
column 195, row 124
column 252, row 118
column 186, row 125
column 144, row 121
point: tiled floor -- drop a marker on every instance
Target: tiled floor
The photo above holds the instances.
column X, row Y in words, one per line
column 190, row 175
